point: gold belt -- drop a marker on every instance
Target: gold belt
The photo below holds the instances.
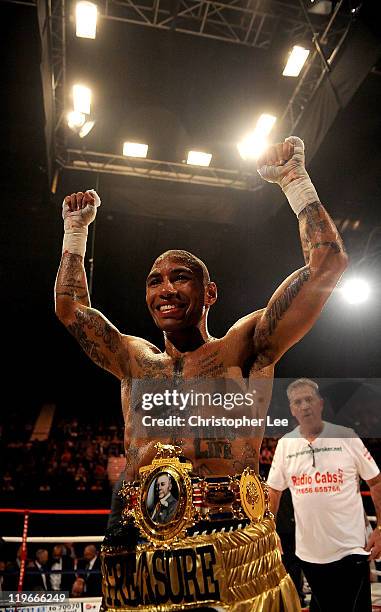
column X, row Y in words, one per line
column 166, row 501
column 239, row 571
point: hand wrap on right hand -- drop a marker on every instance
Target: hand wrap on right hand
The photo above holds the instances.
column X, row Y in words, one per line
column 76, row 223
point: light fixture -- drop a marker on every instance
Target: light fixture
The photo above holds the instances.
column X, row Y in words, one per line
column 296, row 60
column 86, row 129
column 135, row 149
column 75, row 119
column 198, row 158
column 82, row 99
column 356, row 290
column 86, row 19
column 253, row 145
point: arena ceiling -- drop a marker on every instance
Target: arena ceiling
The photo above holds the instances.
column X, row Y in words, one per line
column 190, row 76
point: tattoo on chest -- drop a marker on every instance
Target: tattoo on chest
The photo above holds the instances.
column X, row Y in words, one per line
column 151, row 368
column 210, row 366
column 178, row 369
column 212, row 449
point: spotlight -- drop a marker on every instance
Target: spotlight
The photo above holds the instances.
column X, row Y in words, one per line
column 356, row 291
column 256, row 142
column 86, row 20
column 82, row 99
column 75, row 120
column 86, row 129
column 198, row 158
column 296, row 61
column 135, row 149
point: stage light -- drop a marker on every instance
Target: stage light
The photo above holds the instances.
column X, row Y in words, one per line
column 75, row 119
column 86, row 20
column 296, row 61
column 198, row 158
column 265, row 124
column 355, row 290
column 82, row 99
column 86, row 129
column 253, row 145
column 135, row 149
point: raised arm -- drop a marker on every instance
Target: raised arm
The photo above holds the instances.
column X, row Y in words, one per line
column 297, row 303
column 97, row 336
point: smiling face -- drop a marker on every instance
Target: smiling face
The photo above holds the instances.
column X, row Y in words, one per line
column 176, row 295
column 306, row 406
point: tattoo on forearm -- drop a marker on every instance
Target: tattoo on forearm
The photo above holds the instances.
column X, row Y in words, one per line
column 284, row 301
column 332, row 245
column 317, row 231
column 71, row 280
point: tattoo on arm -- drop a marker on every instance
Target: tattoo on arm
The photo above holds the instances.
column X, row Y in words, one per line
column 283, row 302
column 90, row 321
column 317, row 231
column 71, row 279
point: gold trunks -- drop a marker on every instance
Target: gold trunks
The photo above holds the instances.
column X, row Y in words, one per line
column 240, row 571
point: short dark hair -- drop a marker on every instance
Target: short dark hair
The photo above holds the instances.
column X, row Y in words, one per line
column 195, row 263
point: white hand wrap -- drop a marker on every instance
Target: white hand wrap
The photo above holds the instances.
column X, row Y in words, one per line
column 300, row 193
column 75, row 241
column 76, row 223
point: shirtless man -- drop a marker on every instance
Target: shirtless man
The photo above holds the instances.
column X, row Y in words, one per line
column 179, row 295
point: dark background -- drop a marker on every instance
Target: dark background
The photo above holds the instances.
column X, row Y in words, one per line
column 174, row 91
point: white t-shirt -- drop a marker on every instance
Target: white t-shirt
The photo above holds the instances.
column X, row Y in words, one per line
column 329, row 513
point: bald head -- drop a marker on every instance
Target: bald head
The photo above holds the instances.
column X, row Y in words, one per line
column 194, row 263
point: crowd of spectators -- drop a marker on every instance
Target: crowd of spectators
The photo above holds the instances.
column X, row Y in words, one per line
column 58, row 567
column 74, row 458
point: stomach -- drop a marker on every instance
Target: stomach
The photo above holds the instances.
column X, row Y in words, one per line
column 209, row 457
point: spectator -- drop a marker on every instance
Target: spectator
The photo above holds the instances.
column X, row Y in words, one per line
column 61, row 563
column 91, row 566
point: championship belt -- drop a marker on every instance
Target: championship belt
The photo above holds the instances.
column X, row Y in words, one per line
column 176, row 564
column 166, row 501
column 160, row 504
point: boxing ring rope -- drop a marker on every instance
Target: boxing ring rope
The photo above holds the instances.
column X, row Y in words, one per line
column 25, row 539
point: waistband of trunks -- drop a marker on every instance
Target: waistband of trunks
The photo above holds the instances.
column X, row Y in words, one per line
column 240, row 571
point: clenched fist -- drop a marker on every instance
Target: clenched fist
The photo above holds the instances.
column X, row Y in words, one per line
column 80, row 209
column 283, row 163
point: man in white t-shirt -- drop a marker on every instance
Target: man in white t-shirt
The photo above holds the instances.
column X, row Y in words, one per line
column 321, row 463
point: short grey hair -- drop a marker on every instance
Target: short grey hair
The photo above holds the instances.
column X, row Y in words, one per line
column 299, row 382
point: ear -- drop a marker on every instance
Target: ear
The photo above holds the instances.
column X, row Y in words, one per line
column 210, row 295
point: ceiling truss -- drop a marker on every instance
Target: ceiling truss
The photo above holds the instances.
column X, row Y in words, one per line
column 246, row 22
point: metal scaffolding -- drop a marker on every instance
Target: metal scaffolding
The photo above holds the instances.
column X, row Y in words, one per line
column 104, row 163
column 246, row 22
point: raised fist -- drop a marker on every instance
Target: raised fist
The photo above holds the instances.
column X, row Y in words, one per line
column 80, row 209
column 283, row 163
